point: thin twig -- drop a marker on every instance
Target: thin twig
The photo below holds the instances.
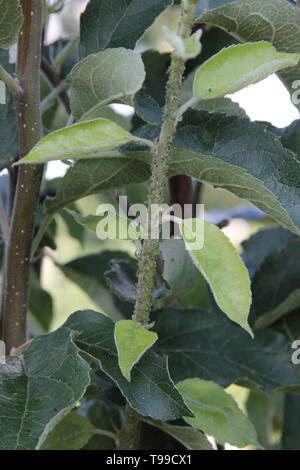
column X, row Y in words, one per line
column 10, row 81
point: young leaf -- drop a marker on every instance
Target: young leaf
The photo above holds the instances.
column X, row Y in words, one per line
column 83, row 140
column 132, row 341
column 151, row 391
column 116, row 23
column 105, row 77
column 276, row 21
column 238, row 66
column 121, row 278
column 71, row 433
column 35, row 393
column 217, row 414
column 11, row 21
column 222, row 268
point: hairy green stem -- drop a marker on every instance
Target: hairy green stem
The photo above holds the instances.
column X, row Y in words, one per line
column 160, row 152
column 15, row 290
column 150, row 249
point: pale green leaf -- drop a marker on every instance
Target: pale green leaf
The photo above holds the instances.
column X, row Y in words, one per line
column 132, row 341
column 179, row 270
column 38, row 391
column 222, row 268
column 151, row 391
column 11, row 21
column 83, row 140
column 105, row 77
column 110, row 226
column 238, row 66
column 217, row 413
column 72, row 433
column 276, row 21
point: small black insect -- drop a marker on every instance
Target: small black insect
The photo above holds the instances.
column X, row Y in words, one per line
column 108, row 354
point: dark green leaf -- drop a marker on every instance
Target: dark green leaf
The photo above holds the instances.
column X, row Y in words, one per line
column 206, row 345
column 121, row 278
column 263, row 243
column 148, row 109
column 116, row 23
column 35, row 393
column 91, row 177
column 276, row 286
column 88, row 272
column 151, row 391
column 40, row 305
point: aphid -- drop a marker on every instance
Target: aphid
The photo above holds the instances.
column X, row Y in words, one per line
column 108, row 354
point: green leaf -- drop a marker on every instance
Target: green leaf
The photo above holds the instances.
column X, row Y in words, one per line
column 217, row 105
column 290, row 432
column 115, row 23
column 89, row 273
column 179, row 270
column 275, row 21
column 151, row 391
column 222, row 268
column 132, row 341
column 110, row 226
column 265, row 172
column 121, row 278
column 40, row 305
column 238, row 66
column 94, row 176
column 11, row 21
column 191, row 438
column 103, row 78
column 217, row 414
column 148, row 109
column 207, row 345
column 72, row 433
column 82, row 140
column 265, row 411
column 275, row 287
column 37, row 391
column 264, row 242
column 8, row 122
column 208, row 149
